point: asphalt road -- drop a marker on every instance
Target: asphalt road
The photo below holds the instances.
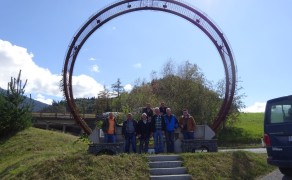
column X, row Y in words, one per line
column 275, row 175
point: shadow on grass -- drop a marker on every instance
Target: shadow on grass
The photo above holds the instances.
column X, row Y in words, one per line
column 247, row 165
column 6, row 137
column 242, row 166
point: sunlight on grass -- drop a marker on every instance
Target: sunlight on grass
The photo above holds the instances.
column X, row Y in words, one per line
column 230, row 165
column 41, row 154
column 253, row 123
column 247, row 130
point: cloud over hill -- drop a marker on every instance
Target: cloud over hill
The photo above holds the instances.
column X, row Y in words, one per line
column 42, row 83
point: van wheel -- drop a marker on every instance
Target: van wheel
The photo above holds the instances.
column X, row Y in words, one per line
column 286, row 171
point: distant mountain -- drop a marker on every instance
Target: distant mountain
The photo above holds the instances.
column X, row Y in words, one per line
column 37, row 105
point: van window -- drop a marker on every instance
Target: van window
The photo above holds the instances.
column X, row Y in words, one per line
column 281, row 112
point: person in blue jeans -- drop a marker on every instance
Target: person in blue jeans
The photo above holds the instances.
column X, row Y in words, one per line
column 171, row 124
column 129, row 132
column 188, row 125
column 158, row 128
column 109, row 128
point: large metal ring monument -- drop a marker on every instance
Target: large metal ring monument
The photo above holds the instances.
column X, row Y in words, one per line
column 175, row 7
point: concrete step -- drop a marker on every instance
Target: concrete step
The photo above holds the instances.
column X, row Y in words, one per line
column 172, row 177
column 164, row 158
column 165, row 164
column 168, row 171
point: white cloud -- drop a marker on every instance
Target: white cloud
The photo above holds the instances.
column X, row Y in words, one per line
column 41, row 82
column 128, row 87
column 43, row 99
column 94, row 68
column 256, row 107
column 85, row 86
column 14, row 58
column 92, row 59
column 138, row 65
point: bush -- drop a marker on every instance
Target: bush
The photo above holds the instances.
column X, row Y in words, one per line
column 15, row 114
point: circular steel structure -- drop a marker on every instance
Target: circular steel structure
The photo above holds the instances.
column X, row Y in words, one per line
column 175, row 7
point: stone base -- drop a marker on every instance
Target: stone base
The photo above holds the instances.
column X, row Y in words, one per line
column 199, row 145
column 106, row 148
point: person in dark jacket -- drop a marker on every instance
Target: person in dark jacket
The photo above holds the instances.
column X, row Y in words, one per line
column 158, row 128
column 144, row 133
column 109, row 127
column 148, row 111
column 171, row 124
column 162, row 108
column 129, row 132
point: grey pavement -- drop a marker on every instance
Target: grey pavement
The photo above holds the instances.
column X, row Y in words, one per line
column 254, row 150
column 275, row 175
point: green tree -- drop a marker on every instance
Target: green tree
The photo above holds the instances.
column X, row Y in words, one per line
column 102, row 103
column 184, row 86
column 118, row 89
column 15, row 115
column 141, row 94
column 237, row 103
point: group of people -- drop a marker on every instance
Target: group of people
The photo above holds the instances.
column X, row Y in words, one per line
column 158, row 123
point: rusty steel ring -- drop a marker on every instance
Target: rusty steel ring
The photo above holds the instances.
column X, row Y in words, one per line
column 176, row 7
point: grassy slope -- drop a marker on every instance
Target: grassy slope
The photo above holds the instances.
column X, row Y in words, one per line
column 40, row 154
column 249, row 129
column 230, row 165
column 252, row 123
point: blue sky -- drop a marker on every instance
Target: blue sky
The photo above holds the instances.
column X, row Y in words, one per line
column 34, row 36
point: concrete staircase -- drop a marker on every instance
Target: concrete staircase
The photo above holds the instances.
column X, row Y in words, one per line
column 167, row 167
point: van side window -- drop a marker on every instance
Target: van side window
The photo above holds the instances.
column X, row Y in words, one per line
column 281, row 113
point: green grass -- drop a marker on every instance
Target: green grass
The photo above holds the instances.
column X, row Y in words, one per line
column 252, row 123
column 230, row 165
column 40, row 154
column 248, row 130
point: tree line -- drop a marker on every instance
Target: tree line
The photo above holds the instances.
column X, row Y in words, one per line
column 180, row 87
